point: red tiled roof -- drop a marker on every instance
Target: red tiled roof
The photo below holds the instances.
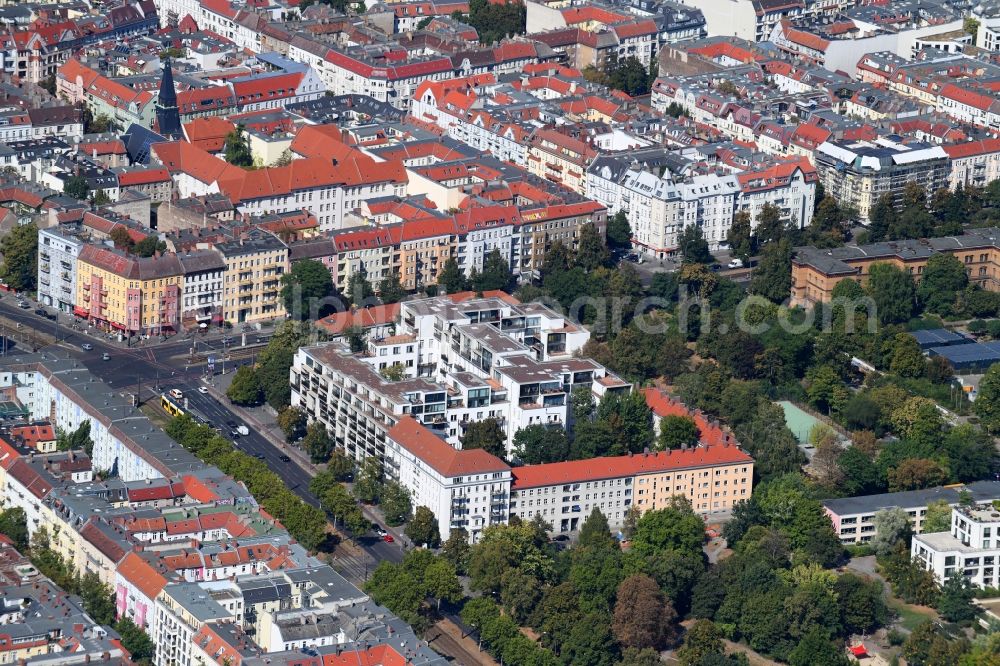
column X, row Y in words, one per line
column 970, row 148
column 462, row 296
column 143, row 177
column 968, row 97
column 380, row 655
column 363, row 318
column 663, row 405
column 105, row 544
column 142, row 575
column 576, row 471
column 440, row 455
column 262, row 88
column 34, row 433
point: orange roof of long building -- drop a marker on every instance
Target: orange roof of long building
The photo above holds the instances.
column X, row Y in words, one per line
column 576, row 471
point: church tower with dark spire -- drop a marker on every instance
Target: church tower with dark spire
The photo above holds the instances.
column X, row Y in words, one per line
column 168, row 118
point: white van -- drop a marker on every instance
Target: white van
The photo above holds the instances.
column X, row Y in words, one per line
column 176, row 394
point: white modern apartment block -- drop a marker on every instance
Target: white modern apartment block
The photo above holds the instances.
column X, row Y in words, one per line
column 57, row 253
column 463, row 361
column 971, row 548
column 464, row 489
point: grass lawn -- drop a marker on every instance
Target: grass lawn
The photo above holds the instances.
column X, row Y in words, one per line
column 910, row 616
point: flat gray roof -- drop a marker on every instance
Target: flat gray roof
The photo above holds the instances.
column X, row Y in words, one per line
column 982, row 491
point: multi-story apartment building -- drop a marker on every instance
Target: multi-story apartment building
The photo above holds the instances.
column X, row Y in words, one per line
column 712, row 478
column 466, row 490
column 816, row 272
column 125, row 441
column 464, row 360
column 857, row 174
column 252, row 282
column 661, row 205
column 58, row 250
column 971, row 548
column 544, row 225
column 182, row 609
column 129, row 294
column 202, row 291
column 560, row 158
column 974, row 163
column 854, row 517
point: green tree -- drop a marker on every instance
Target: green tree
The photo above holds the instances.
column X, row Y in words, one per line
column 305, row 288
column 97, row 598
column 275, row 361
column 340, row 466
column 20, row 257
column 862, row 604
column 678, row 431
column 292, row 422
column 591, row 252
column 816, row 649
column 772, row 279
column 496, row 273
column 140, row 646
column 149, row 246
column 423, row 528
column 892, row 527
column 944, row 277
column 907, row 357
column 859, row 472
column 76, row 187
column 237, row 148
column 395, row 503
column 938, row 517
column 619, row 230
column 457, row 549
column 927, row 646
column 78, row 440
column 359, row 290
column 694, row 247
column 245, row 388
column 987, row 404
column 892, row 291
column 487, row 435
column 916, row 474
column 702, row 640
column 539, row 443
column 14, row 525
column 770, row 227
column 825, row 389
column 955, row 602
column 628, row 418
column 368, row 485
column 441, row 581
column 390, row 289
column 674, row 527
column 318, row 443
column 740, row 237
column 642, row 617
column 450, row 279
column 882, row 217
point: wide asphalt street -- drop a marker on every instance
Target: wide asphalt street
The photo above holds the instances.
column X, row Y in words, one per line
column 157, row 368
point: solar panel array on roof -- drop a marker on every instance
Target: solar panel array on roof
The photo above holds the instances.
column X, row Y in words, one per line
column 940, row 337
column 978, row 355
